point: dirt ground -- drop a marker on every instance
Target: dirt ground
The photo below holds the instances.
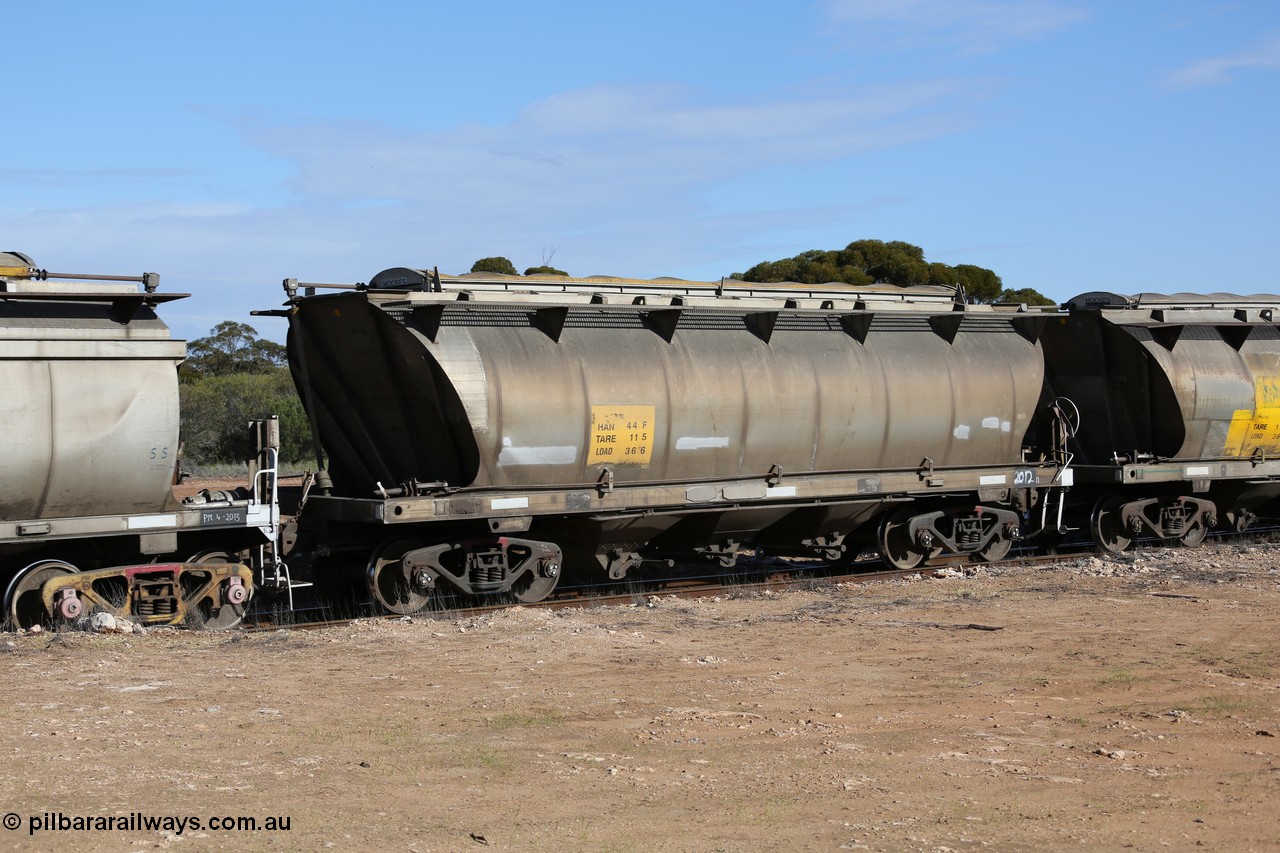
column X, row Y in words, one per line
column 1129, row 702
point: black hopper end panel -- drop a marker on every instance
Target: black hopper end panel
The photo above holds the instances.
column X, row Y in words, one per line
column 385, row 410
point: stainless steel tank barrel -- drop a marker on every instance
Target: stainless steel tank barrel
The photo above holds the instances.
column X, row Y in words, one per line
column 544, row 384
column 90, row 402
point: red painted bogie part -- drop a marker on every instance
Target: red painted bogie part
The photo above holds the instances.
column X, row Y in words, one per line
column 158, row 593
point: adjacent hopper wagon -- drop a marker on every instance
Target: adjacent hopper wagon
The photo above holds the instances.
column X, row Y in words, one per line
column 88, row 458
column 1179, row 411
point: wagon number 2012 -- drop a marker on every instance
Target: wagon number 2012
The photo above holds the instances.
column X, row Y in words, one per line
column 1024, row 477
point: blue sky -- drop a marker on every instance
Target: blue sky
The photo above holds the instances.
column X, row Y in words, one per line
column 1069, row 145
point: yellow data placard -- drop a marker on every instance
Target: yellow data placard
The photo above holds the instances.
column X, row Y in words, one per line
column 1252, row 431
column 621, row 435
column 1257, row 429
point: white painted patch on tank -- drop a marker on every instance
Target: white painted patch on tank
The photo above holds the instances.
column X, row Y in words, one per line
column 142, row 522
column 961, row 432
column 698, row 442
column 1006, row 426
column 509, row 503
column 551, row 455
column 991, row 423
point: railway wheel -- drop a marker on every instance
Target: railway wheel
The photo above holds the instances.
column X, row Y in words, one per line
column 1107, row 526
column 844, row 560
column 23, row 606
column 895, row 545
column 538, row 582
column 235, row 601
column 995, row 550
column 1194, row 535
column 1049, row 541
column 389, row 584
column 1240, row 520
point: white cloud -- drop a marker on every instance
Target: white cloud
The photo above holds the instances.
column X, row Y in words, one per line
column 233, row 260
column 92, row 178
column 616, row 179
column 976, row 26
column 628, row 151
column 1217, row 70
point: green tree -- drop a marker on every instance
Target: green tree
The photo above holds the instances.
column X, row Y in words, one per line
column 943, row 274
column 231, row 377
column 980, row 284
column 498, row 265
column 232, row 348
column 887, row 263
column 865, row 262
column 1026, row 296
column 216, row 412
column 544, row 270
column 812, row 267
column 861, row 262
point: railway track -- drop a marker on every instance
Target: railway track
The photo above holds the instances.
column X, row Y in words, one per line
column 753, row 576
column 765, row 575
column 776, row 578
